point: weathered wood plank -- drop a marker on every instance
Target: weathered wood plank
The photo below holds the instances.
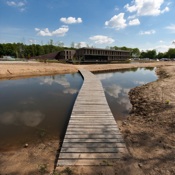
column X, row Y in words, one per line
column 93, row 126
column 95, row 140
column 91, row 132
column 96, row 130
column 79, row 162
column 93, row 136
column 90, row 155
column 93, row 150
column 92, row 145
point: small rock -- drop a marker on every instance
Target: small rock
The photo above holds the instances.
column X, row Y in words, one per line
column 26, row 145
column 124, row 123
column 140, row 165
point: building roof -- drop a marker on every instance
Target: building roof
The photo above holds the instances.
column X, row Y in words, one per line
column 89, row 48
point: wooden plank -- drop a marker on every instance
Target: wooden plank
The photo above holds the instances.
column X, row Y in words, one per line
column 92, row 145
column 90, row 155
column 90, row 122
column 93, row 136
column 83, row 132
column 80, row 162
column 96, row 130
column 93, row 150
column 102, row 140
column 93, row 126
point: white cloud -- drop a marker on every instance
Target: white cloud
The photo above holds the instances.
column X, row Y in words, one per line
column 28, row 118
column 149, row 32
column 164, row 48
column 134, row 22
column 171, row 28
column 114, row 90
column 104, row 76
column 70, row 91
column 117, row 22
column 125, row 102
column 37, row 29
column 140, row 82
column 146, row 7
column 101, row 39
column 81, row 44
column 71, row 20
column 62, row 81
column 32, row 41
column 116, row 9
column 131, row 17
column 58, row 32
column 20, row 4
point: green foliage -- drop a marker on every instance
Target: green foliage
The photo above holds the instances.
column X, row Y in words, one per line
column 148, row 54
column 171, row 53
column 42, row 168
column 167, row 102
column 135, row 53
column 68, row 171
column 20, row 50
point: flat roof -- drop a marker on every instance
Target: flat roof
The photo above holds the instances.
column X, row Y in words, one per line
column 102, row 49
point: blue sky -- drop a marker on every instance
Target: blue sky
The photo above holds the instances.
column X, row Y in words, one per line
column 145, row 24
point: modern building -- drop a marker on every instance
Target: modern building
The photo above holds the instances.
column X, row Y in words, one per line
column 88, row 55
column 104, row 55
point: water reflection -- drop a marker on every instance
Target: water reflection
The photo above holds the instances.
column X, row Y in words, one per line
column 118, row 84
column 27, row 118
column 51, row 80
column 42, row 102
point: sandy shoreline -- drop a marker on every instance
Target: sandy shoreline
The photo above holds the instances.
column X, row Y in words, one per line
column 149, row 132
column 20, row 70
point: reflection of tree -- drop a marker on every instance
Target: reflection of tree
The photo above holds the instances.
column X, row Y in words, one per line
column 127, row 70
column 53, row 77
column 134, row 69
column 149, row 68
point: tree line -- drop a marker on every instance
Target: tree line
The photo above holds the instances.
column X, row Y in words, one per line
column 20, row 50
column 151, row 54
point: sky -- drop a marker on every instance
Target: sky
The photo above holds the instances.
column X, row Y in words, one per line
column 143, row 24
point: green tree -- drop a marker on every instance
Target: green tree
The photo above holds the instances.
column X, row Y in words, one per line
column 136, row 53
column 171, row 53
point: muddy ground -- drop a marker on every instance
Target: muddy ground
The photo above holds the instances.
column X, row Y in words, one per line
column 149, row 131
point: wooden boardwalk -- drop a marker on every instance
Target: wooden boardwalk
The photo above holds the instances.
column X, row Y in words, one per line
column 92, row 136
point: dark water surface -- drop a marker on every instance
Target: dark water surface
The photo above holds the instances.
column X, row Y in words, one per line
column 118, row 84
column 34, row 107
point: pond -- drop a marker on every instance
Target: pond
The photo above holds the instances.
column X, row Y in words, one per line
column 36, row 107
column 117, row 85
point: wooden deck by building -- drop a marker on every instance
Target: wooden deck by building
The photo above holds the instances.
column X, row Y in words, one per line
column 92, row 136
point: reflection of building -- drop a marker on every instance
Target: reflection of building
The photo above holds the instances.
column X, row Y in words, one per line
column 90, row 55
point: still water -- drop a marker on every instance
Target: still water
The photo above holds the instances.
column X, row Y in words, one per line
column 34, row 107
column 118, row 84
column 38, row 107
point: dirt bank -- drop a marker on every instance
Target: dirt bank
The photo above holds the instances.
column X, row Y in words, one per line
column 18, row 70
column 149, row 132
